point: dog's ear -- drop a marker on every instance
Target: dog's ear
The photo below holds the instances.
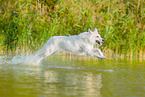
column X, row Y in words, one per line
column 96, row 30
column 90, row 32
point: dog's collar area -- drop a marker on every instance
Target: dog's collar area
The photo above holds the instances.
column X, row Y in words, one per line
column 98, row 42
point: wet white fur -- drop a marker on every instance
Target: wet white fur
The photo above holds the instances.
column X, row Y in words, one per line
column 82, row 44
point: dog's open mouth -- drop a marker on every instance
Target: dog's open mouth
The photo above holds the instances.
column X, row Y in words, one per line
column 98, row 42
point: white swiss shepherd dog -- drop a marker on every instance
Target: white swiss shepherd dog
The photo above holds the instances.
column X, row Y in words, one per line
column 82, row 44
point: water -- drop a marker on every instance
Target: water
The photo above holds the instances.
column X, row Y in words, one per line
column 60, row 76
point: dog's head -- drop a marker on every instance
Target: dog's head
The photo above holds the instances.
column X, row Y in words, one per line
column 95, row 37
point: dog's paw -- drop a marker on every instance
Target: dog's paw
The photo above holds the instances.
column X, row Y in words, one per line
column 102, row 57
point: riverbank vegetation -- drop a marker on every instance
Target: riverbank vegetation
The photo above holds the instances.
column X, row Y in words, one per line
column 26, row 25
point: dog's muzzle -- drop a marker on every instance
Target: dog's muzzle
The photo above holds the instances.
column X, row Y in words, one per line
column 100, row 43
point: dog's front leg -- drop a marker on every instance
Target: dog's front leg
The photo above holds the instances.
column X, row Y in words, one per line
column 92, row 54
column 99, row 51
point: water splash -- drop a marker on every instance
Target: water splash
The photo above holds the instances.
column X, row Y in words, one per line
column 3, row 59
column 21, row 59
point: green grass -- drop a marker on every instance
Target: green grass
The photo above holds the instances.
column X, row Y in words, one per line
column 26, row 25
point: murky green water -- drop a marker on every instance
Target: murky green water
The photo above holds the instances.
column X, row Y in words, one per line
column 73, row 77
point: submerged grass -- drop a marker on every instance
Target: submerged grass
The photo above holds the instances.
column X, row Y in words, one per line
column 25, row 26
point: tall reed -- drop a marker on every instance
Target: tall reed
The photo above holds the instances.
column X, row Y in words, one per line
column 27, row 25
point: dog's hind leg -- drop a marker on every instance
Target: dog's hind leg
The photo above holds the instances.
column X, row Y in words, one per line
column 43, row 53
column 40, row 54
column 50, row 52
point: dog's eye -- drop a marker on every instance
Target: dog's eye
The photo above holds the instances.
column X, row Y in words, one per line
column 97, row 36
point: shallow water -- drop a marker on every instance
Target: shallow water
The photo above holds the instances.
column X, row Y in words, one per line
column 60, row 76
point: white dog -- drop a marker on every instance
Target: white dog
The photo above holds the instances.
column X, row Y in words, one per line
column 82, row 44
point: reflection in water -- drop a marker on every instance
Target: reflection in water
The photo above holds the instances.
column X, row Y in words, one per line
column 93, row 84
column 51, row 76
column 51, row 79
column 90, row 84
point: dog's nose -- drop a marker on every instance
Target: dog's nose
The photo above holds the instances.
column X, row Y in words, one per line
column 102, row 39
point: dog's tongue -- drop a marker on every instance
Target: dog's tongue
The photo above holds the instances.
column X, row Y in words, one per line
column 100, row 43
